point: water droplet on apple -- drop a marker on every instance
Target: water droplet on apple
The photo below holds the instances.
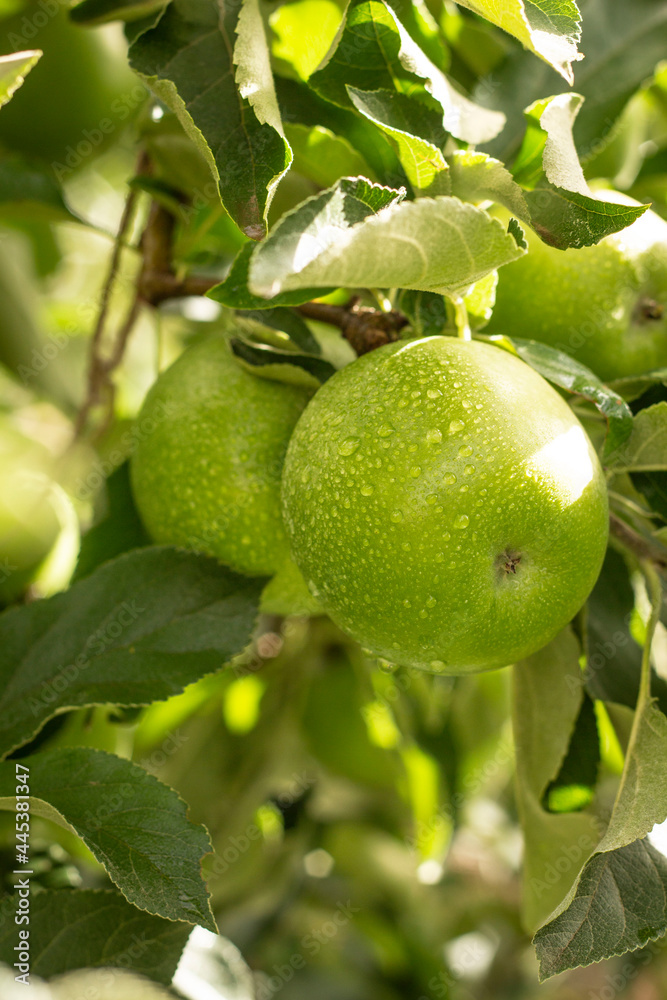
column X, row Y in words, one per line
column 461, row 522
column 348, row 446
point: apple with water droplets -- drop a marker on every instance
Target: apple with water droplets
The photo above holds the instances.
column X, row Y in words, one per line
column 445, row 505
column 210, row 443
column 605, row 304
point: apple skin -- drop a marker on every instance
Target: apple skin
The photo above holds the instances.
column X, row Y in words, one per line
column 606, row 304
column 206, row 468
column 29, row 525
column 444, row 505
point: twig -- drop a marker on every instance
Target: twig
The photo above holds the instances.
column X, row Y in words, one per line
column 640, row 546
column 98, row 375
column 364, row 328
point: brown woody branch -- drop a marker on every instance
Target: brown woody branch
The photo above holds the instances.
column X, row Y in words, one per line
column 364, row 328
column 157, row 281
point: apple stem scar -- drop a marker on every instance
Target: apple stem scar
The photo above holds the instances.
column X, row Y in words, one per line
column 507, row 562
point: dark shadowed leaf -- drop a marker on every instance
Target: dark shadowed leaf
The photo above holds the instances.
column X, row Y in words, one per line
column 95, row 928
column 133, row 824
column 138, row 629
column 620, row 904
column 212, row 68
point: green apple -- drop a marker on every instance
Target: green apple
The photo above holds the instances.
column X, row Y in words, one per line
column 206, row 469
column 445, row 505
column 606, row 304
column 287, row 594
column 29, row 523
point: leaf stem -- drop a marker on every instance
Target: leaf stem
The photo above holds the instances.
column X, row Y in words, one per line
column 654, row 585
column 461, row 319
column 640, row 546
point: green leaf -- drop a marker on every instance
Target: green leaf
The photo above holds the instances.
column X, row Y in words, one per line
column 135, row 826
column 634, row 386
column 334, row 694
column 620, row 55
column 323, row 157
column 563, row 211
column 234, row 292
column 210, row 64
column 13, row 70
column 564, row 371
column 398, row 116
column 427, row 312
column 287, row 322
column 573, row 787
column 374, row 51
column 477, row 177
column 303, row 31
column 332, row 240
column 282, row 366
column 30, row 192
column 119, row 530
column 137, row 630
column 556, row 844
column 101, row 11
column 653, row 487
column 300, row 105
column 646, row 447
column 596, row 925
column 550, row 123
column 480, row 300
column 549, row 28
column 626, row 879
column 429, row 315
column 613, row 657
column 568, row 219
column 95, row 929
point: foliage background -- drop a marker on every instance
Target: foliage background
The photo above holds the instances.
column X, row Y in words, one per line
column 366, row 830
